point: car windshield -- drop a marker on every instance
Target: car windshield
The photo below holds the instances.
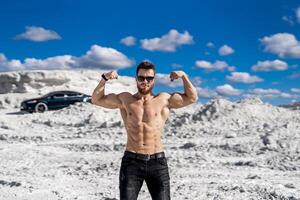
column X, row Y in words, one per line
column 47, row 95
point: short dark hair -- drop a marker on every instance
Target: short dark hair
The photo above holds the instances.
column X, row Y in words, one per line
column 145, row 65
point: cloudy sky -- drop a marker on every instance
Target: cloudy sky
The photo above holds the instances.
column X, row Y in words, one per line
column 232, row 49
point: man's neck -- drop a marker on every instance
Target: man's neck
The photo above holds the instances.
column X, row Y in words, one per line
column 144, row 96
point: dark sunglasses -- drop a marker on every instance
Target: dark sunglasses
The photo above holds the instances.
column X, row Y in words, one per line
column 142, row 78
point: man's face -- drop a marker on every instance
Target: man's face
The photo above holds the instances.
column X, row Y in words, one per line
column 145, row 86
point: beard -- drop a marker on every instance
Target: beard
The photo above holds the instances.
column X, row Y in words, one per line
column 145, row 90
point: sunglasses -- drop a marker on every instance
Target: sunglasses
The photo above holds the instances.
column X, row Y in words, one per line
column 142, row 78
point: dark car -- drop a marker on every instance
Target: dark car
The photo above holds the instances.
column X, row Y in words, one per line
column 53, row 101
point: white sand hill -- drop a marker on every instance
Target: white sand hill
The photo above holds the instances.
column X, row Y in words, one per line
column 220, row 150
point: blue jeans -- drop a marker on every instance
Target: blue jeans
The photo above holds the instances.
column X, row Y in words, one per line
column 155, row 172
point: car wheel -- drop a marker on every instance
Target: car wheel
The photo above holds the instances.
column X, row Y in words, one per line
column 41, row 107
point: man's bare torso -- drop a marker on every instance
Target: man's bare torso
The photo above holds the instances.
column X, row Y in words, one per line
column 144, row 114
column 144, row 122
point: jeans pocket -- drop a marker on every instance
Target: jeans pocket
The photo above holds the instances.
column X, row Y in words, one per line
column 162, row 161
column 126, row 161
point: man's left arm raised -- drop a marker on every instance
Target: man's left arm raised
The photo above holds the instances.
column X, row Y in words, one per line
column 178, row 100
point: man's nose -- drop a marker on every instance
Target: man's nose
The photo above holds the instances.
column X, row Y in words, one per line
column 144, row 81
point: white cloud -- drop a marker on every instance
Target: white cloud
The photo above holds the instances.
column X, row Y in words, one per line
column 2, row 57
column 288, row 19
column 261, row 91
column 176, row 65
column 12, row 65
column 243, row 77
column 285, row 45
column 298, row 14
column 269, row 94
column 96, row 57
column 210, row 45
column 197, row 80
column 38, row 34
column 289, row 96
column 61, row 62
column 165, row 81
column 225, row 50
column 216, row 66
column 103, row 58
column 227, row 90
column 291, row 19
column 294, row 75
column 128, row 41
column 275, row 65
column 297, row 90
column 168, row 42
column 206, row 93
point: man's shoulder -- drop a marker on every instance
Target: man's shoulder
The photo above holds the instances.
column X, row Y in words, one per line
column 124, row 94
column 164, row 95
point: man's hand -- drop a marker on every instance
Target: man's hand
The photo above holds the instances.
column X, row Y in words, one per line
column 111, row 75
column 176, row 74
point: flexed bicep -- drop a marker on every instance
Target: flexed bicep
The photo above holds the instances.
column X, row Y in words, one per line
column 178, row 100
column 111, row 101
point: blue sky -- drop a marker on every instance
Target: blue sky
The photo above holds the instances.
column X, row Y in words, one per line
column 232, row 49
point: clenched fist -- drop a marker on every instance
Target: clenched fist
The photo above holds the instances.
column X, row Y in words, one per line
column 111, row 75
column 176, row 74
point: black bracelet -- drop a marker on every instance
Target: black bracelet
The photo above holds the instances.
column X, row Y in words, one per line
column 104, row 77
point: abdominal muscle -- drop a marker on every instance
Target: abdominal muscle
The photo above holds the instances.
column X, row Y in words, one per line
column 143, row 138
column 144, row 122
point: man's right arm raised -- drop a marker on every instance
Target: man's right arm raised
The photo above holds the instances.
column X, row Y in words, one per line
column 111, row 100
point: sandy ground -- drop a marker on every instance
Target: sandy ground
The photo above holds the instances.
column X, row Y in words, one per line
column 220, row 150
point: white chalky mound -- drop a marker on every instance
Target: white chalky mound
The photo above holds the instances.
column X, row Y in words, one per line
column 220, row 150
